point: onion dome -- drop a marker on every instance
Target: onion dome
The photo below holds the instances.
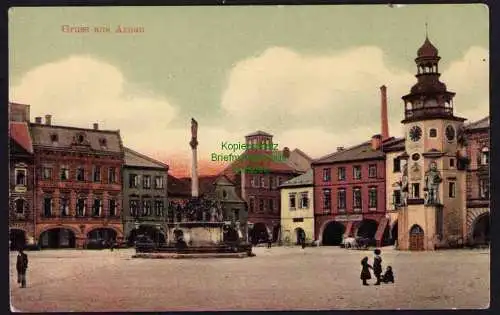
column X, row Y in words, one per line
column 427, row 49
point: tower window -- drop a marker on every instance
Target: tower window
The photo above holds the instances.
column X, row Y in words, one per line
column 432, row 133
column 452, row 162
column 451, row 190
column 396, row 165
column 415, row 187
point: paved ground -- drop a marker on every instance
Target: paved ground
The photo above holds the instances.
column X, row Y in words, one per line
column 277, row 278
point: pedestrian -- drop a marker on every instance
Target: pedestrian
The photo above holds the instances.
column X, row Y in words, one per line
column 377, row 265
column 22, row 266
column 303, row 241
column 388, row 275
column 269, row 241
column 365, row 270
column 112, row 246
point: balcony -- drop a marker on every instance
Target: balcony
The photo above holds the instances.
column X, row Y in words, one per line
column 440, row 112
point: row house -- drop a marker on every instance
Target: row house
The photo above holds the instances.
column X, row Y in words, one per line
column 21, row 179
column 478, row 181
column 260, row 190
column 144, row 197
column 297, row 209
column 349, row 193
column 78, row 184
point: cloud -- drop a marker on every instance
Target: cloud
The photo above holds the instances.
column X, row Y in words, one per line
column 81, row 90
column 319, row 102
column 312, row 102
column 469, row 78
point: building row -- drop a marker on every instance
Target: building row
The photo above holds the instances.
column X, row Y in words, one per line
column 70, row 187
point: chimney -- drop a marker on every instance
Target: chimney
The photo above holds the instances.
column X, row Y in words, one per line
column 340, row 149
column 38, row 120
column 48, row 120
column 376, row 142
column 96, row 126
column 383, row 112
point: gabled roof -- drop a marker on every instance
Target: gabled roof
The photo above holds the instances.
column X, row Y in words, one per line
column 207, row 183
column 482, row 123
column 259, row 133
column 66, row 135
column 299, row 161
column 304, row 179
column 134, row 158
column 359, row 152
column 20, row 133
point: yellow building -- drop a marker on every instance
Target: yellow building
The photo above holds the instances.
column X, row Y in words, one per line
column 297, row 208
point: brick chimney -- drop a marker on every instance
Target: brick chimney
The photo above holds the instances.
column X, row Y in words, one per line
column 96, row 126
column 376, row 142
column 340, row 149
column 38, row 120
column 48, row 120
column 383, row 113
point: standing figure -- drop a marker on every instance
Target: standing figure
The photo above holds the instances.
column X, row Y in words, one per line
column 432, row 181
column 22, row 266
column 404, row 185
column 365, row 270
column 269, row 241
column 377, row 265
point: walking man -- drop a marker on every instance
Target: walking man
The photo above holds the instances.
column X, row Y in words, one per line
column 377, row 265
column 22, row 266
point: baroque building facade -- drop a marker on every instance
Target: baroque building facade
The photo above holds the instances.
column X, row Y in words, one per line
column 432, row 210
column 145, row 197
column 78, row 194
column 21, row 178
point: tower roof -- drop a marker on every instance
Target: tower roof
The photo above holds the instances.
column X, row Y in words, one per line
column 427, row 49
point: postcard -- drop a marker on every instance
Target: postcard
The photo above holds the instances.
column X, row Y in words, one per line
column 279, row 157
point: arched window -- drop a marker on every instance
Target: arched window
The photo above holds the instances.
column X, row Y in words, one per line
column 20, row 205
column 485, row 156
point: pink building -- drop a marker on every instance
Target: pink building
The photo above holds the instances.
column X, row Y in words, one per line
column 349, row 193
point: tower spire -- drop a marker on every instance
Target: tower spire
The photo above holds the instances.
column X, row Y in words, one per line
column 426, row 30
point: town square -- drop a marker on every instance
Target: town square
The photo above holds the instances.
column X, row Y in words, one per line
column 244, row 165
column 275, row 279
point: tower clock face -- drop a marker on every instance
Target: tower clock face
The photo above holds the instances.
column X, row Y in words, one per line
column 415, row 133
column 450, row 133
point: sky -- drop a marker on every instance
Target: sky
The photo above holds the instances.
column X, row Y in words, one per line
column 309, row 75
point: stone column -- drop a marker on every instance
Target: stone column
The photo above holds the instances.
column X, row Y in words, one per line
column 194, row 162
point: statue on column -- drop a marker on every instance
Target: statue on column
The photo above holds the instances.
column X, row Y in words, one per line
column 194, row 133
column 404, row 185
column 432, row 181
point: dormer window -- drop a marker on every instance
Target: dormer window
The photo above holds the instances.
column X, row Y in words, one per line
column 80, row 138
column 103, row 143
column 54, row 138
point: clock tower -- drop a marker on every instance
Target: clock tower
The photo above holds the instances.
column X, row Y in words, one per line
column 433, row 177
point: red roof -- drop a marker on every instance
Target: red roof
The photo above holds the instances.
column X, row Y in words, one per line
column 19, row 132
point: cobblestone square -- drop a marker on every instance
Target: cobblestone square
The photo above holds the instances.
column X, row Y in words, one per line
column 277, row 278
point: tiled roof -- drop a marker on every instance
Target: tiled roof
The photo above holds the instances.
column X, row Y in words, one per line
column 206, row 184
column 67, row 135
column 482, row 123
column 19, row 132
column 394, row 144
column 259, row 133
column 362, row 151
column 178, row 187
column 304, row 179
column 134, row 158
column 299, row 161
column 263, row 160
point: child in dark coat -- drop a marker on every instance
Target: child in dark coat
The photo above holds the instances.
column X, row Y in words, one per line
column 388, row 275
column 377, row 265
column 365, row 270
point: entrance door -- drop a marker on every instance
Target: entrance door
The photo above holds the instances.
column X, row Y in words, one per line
column 416, row 238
